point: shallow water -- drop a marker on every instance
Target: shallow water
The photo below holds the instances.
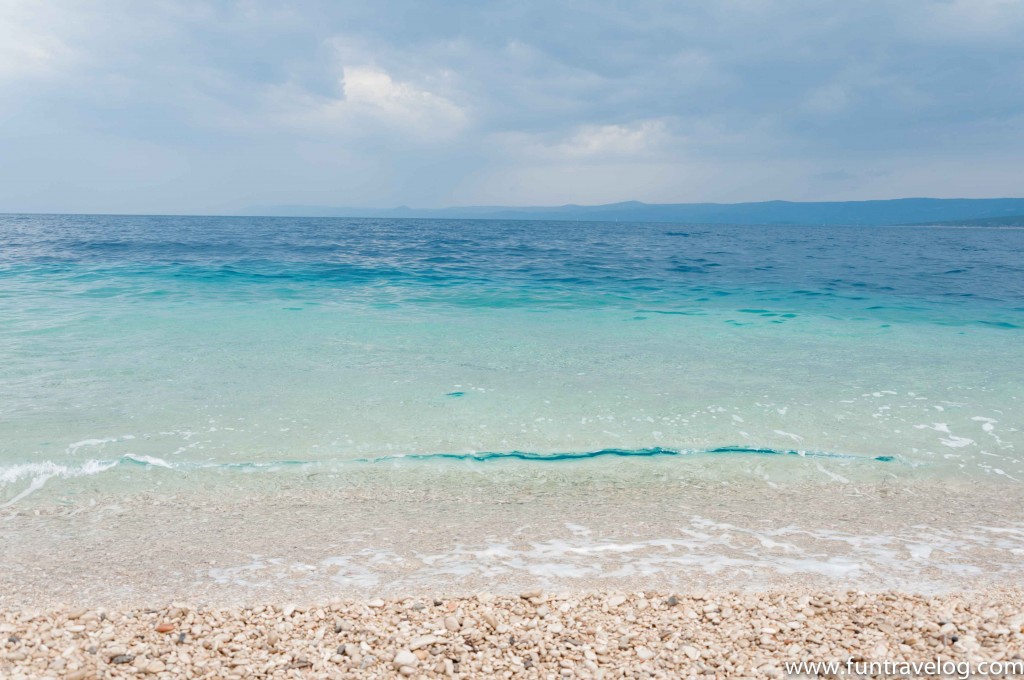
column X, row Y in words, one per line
column 427, row 532
column 196, row 342
column 233, row 358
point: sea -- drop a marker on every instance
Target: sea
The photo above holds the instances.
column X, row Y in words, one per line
column 370, row 405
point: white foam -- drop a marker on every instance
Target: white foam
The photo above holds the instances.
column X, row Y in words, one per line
column 149, row 460
column 987, row 424
column 89, row 443
column 714, row 549
column 953, row 441
column 577, row 530
column 253, row 575
column 72, row 449
column 833, row 475
column 41, row 472
column 920, row 551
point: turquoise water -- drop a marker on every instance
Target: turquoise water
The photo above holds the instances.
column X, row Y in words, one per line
column 137, row 352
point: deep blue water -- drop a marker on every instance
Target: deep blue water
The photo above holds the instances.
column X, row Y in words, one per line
column 943, row 275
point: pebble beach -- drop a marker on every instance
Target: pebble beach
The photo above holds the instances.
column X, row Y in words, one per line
column 533, row 634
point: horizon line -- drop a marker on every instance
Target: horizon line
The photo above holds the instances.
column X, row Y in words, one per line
column 253, row 212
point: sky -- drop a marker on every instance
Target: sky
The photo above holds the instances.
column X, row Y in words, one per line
column 216, row 107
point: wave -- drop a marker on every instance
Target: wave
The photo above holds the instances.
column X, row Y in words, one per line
column 38, row 473
column 625, row 453
column 41, row 472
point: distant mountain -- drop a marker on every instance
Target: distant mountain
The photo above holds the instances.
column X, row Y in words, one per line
column 1009, row 221
column 895, row 211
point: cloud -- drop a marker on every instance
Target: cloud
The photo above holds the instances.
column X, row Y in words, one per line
column 373, row 102
column 589, row 142
column 374, row 91
column 618, row 140
column 369, row 101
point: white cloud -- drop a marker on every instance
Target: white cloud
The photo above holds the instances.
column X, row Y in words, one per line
column 371, row 99
column 374, row 89
column 603, row 140
column 591, row 142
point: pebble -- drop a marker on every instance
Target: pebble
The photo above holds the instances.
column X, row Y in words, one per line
column 587, row 635
column 404, row 657
column 422, row 642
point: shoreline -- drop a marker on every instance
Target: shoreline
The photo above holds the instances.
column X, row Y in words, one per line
column 532, row 634
column 306, row 545
column 689, row 578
